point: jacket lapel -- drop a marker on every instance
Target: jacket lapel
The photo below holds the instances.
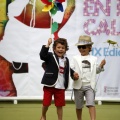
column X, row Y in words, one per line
column 79, row 60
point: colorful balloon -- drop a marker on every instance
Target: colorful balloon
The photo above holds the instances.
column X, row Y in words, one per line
column 54, row 27
column 60, row 1
column 53, row 6
column 60, row 7
column 54, row 10
column 47, row 7
column 46, row 2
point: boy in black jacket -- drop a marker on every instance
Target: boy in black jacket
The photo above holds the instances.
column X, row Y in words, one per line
column 56, row 76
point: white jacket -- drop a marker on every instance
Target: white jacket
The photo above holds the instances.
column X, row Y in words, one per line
column 76, row 65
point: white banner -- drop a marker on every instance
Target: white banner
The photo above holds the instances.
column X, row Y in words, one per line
column 97, row 18
column 100, row 20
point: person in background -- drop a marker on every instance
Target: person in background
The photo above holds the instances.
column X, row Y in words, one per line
column 56, row 76
column 86, row 66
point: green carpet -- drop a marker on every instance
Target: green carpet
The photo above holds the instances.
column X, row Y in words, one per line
column 31, row 110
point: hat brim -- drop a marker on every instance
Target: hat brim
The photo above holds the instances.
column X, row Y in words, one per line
column 80, row 44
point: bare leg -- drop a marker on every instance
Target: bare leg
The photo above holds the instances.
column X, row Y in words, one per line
column 59, row 113
column 44, row 110
column 92, row 112
column 79, row 114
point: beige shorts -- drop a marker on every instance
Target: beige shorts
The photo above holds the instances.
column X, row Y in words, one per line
column 88, row 93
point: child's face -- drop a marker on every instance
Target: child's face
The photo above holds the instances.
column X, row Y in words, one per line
column 84, row 50
column 60, row 50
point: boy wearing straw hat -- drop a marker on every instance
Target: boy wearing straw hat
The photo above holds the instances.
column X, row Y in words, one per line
column 86, row 66
column 56, row 76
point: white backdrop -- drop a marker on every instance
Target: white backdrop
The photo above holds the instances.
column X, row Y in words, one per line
column 97, row 18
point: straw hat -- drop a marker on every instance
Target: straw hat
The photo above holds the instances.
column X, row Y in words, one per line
column 84, row 40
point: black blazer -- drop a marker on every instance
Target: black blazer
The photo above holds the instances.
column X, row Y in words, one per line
column 51, row 68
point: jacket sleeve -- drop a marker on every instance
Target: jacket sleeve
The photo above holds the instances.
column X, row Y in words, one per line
column 99, row 69
column 44, row 53
column 71, row 73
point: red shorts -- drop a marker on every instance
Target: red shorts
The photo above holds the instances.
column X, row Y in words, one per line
column 59, row 96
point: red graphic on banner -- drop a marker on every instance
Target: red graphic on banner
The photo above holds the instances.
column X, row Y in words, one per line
column 7, row 87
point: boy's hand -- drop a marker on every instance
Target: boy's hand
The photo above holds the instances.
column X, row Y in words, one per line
column 103, row 62
column 75, row 76
column 49, row 42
